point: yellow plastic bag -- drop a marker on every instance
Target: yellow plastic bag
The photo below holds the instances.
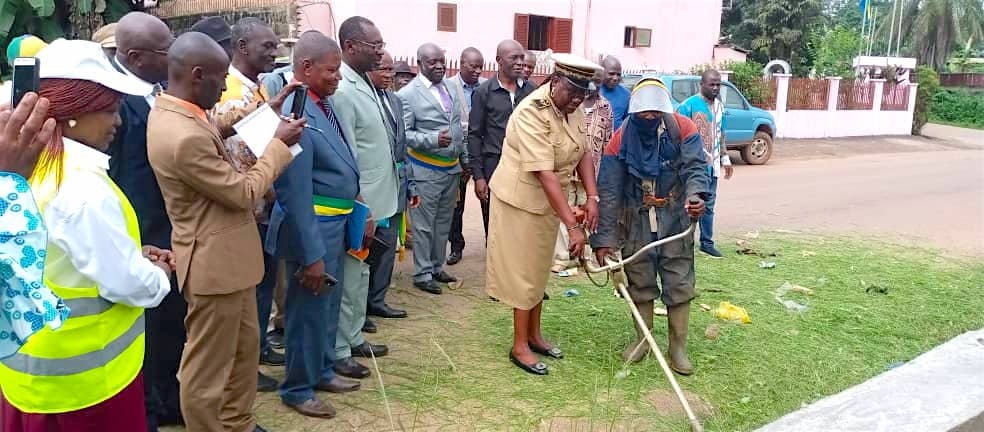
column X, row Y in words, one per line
column 730, row 312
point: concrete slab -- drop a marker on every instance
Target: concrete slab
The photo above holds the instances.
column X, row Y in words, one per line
column 941, row 390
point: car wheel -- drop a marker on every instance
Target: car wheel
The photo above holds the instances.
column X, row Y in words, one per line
column 759, row 150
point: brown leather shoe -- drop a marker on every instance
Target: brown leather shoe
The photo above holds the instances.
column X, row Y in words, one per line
column 314, row 408
column 338, row 385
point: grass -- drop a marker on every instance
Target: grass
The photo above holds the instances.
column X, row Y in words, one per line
column 968, row 125
column 752, row 374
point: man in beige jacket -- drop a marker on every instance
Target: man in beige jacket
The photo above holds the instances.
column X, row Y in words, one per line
column 215, row 241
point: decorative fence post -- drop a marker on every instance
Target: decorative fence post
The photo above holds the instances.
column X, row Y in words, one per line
column 833, row 92
column 879, row 93
column 782, row 91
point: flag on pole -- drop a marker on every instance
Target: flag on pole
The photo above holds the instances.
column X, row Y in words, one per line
column 865, row 7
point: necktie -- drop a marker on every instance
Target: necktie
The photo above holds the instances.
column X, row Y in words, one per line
column 332, row 120
column 445, row 98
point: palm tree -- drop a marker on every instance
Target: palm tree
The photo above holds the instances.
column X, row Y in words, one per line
column 934, row 27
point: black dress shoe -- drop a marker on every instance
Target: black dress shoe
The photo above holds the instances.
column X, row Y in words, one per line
column 369, row 350
column 546, row 296
column 454, row 258
column 387, row 312
column 552, row 352
column 259, row 429
column 347, row 367
column 537, row 368
column 314, row 408
column 369, row 327
column 338, row 385
column 275, row 338
column 273, row 358
column 265, row 384
column 444, row 277
column 428, row 286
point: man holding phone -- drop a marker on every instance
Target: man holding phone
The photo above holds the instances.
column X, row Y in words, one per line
column 307, row 228
column 436, row 140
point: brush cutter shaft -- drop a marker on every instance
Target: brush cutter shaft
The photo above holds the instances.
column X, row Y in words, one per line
column 617, row 265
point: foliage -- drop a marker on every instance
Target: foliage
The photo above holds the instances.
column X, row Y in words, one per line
column 747, row 76
column 929, row 84
column 835, row 52
column 958, row 106
column 775, row 29
column 52, row 19
column 937, row 27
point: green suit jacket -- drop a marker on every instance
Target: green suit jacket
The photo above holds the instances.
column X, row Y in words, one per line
column 360, row 116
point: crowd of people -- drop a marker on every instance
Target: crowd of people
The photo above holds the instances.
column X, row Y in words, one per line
column 151, row 245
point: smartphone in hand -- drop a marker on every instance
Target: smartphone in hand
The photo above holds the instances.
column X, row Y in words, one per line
column 26, row 78
column 300, row 99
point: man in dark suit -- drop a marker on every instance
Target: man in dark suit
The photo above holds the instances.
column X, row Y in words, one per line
column 381, row 258
column 315, row 197
column 142, row 41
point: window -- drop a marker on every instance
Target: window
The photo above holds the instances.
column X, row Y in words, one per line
column 447, row 17
column 636, row 37
column 536, row 32
column 732, row 99
column 682, row 89
column 537, row 39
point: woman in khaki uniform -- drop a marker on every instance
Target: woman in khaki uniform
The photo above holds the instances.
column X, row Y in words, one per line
column 545, row 140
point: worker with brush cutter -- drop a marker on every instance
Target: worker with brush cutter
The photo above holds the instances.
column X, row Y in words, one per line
column 653, row 181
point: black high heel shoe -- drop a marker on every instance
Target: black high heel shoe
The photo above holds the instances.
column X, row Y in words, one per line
column 552, row 352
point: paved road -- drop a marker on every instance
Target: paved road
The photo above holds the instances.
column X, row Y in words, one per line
column 927, row 190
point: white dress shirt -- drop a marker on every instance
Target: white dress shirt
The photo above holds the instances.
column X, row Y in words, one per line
column 88, row 243
column 153, row 94
column 435, row 92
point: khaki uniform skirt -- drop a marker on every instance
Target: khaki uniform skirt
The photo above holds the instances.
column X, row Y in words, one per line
column 520, row 252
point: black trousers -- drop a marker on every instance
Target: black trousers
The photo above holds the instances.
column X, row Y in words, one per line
column 457, row 238
column 381, row 261
column 165, row 339
column 489, row 163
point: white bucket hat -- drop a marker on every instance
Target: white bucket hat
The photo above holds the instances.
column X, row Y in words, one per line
column 85, row 60
column 650, row 94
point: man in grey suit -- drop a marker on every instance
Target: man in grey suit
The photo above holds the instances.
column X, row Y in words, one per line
column 361, row 117
column 433, row 119
column 381, row 255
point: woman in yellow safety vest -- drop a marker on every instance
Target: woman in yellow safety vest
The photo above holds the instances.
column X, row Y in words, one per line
column 85, row 376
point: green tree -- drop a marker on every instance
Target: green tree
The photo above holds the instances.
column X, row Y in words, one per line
column 775, row 29
column 835, row 51
column 52, row 19
column 929, row 84
column 935, row 28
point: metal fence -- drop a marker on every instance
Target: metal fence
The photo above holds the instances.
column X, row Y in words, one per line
column 856, row 95
column 962, row 80
column 895, row 97
column 807, row 94
column 540, row 72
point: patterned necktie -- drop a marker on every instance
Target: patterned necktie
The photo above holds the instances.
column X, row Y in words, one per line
column 445, row 98
column 332, row 120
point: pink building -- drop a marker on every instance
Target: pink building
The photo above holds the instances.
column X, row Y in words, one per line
column 663, row 35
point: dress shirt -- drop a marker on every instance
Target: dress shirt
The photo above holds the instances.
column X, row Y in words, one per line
column 88, row 243
column 435, row 90
column 468, row 90
column 22, row 250
column 492, row 105
column 156, row 87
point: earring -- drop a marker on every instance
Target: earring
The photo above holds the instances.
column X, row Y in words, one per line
column 72, row 123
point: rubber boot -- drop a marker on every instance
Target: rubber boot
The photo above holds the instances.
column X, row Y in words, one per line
column 677, row 320
column 637, row 350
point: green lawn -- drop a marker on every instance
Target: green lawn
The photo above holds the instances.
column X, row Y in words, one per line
column 752, row 374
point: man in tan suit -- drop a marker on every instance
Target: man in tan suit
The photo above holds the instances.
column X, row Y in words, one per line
column 214, row 239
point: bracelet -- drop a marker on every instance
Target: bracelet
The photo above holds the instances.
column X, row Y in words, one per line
column 576, row 226
column 596, row 198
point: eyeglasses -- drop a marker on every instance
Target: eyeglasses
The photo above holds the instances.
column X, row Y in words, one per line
column 161, row 52
column 376, row 46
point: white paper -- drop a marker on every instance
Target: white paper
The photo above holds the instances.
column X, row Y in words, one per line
column 258, row 128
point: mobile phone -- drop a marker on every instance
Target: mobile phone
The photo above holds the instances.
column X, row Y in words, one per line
column 27, row 78
column 300, row 98
column 330, row 280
